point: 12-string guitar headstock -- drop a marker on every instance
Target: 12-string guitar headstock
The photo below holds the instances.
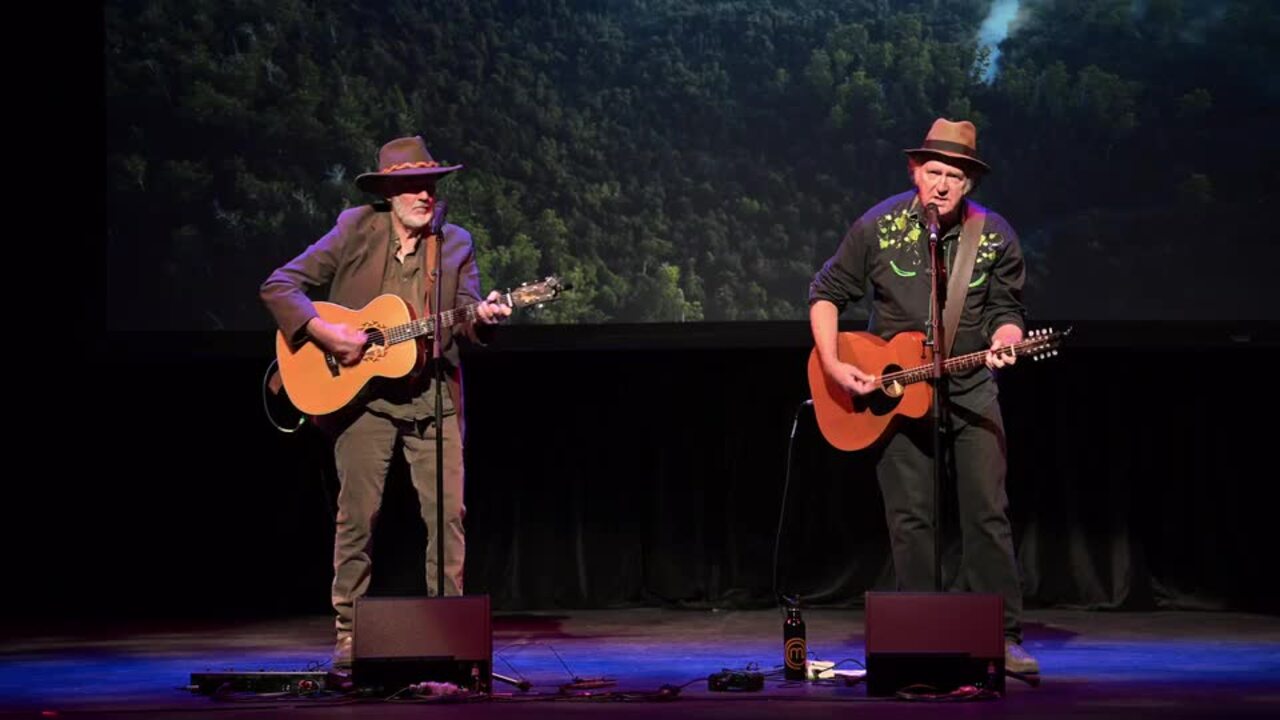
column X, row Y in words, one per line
column 1042, row 343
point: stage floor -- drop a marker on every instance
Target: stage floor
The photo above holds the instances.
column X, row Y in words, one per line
column 1094, row 664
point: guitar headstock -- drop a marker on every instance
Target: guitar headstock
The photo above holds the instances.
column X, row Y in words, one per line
column 537, row 293
column 1042, row 343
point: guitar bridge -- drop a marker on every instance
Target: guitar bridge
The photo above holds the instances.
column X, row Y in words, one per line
column 332, row 363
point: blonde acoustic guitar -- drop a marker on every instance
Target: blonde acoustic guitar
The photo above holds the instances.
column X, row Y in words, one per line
column 317, row 384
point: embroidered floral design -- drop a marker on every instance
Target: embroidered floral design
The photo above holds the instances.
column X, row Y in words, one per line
column 988, row 244
column 899, row 231
column 988, row 247
column 893, row 232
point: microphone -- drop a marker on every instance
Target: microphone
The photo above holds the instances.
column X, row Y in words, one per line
column 437, row 216
column 931, row 218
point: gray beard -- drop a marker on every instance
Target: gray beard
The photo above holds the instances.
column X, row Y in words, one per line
column 404, row 211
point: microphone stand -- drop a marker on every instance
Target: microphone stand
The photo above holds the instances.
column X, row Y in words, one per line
column 937, row 273
column 437, row 361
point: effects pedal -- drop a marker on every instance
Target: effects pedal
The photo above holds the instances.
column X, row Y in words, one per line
column 731, row 681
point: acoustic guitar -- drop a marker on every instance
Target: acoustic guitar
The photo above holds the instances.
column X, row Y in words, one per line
column 318, row 384
column 902, row 365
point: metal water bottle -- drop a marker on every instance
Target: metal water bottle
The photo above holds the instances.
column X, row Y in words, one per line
column 795, row 654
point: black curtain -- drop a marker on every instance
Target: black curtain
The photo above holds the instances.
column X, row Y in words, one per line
column 616, row 466
column 1137, row 476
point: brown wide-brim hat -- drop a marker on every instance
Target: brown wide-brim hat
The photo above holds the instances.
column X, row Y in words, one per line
column 402, row 157
column 956, row 140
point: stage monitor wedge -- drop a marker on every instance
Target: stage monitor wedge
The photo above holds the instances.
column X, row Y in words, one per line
column 399, row 641
column 934, row 642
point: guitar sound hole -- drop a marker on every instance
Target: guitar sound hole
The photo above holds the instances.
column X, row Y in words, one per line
column 375, row 338
column 878, row 402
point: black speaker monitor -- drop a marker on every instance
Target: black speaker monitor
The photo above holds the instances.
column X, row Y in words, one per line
column 399, row 641
column 935, row 641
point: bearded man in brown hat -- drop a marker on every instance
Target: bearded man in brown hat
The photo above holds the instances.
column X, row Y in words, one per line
column 390, row 247
column 887, row 251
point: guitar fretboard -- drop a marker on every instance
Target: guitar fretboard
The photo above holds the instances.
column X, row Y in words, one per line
column 426, row 325
column 959, row 362
column 523, row 296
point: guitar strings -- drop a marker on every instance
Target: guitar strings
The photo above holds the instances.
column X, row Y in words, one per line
column 962, row 361
column 408, row 331
column 424, row 325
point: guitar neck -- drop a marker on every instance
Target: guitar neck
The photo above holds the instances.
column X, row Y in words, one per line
column 922, row 373
column 426, row 325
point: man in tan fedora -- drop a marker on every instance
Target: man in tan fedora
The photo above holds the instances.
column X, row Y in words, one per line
column 389, row 247
column 886, row 251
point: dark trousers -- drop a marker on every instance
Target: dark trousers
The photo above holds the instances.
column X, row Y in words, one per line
column 364, row 452
column 905, row 472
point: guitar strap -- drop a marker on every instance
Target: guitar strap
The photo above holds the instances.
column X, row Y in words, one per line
column 961, row 271
column 430, row 268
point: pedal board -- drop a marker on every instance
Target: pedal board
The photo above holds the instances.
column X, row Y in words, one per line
column 208, row 683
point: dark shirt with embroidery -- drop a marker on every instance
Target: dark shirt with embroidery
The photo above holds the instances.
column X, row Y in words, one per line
column 886, row 252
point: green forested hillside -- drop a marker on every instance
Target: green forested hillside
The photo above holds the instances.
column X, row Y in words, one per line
column 680, row 161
